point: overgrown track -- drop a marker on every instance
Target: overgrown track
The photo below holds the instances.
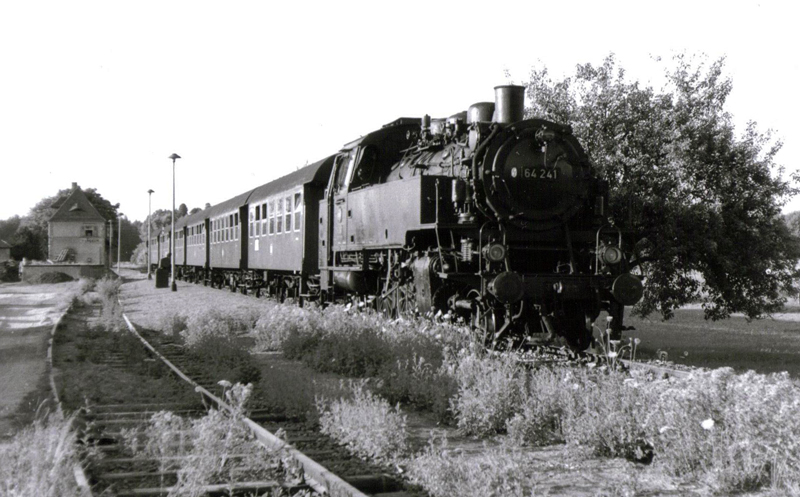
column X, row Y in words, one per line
column 115, row 470
column 657, row 370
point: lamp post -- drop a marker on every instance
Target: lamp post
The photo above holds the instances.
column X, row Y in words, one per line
column 149, row 238
column 110, row 241
column 119, row 239
column 172, row 238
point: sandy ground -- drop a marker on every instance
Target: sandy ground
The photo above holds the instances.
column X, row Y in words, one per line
column 27, row 315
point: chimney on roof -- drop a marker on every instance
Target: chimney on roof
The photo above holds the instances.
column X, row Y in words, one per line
column 74, row 185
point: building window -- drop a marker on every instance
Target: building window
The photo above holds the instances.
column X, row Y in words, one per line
column 88, row 231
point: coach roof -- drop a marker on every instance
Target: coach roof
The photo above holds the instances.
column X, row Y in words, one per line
column 315, row 173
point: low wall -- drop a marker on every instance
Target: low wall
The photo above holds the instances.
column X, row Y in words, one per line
column 30, row 273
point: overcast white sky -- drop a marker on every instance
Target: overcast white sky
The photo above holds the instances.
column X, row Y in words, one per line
column 101, row 93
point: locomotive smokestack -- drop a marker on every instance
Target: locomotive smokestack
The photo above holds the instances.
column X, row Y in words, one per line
column 509, row 104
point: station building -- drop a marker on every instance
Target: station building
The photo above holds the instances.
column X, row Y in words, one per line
column 77, row 231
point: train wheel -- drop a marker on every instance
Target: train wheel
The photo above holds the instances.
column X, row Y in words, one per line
column 485, row 323
column 577, row 329
column 406, row 300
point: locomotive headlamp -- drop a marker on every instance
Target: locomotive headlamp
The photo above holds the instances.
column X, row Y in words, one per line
column 495, row 252
column 612, row 255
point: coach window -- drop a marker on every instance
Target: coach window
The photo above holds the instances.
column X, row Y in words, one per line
column 254, row 216
column 279, row 216
column 236, row 224
column 288, row 218
column 271, row 217
column 264, row 219
column 298, row 210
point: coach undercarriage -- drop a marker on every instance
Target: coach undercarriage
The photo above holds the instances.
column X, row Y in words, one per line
column 278, row 285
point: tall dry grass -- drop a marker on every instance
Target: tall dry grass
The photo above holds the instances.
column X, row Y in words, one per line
column 39, row 461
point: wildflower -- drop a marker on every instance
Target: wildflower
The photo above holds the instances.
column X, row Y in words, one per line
column 637, row 341
column 612, row 354
column 708, row 424
column 224, row 383
column 665, row 429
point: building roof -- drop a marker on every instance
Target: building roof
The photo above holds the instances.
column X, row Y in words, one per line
column 76, row 207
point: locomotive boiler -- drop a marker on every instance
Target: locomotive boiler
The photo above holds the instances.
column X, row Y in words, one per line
column 484, row 215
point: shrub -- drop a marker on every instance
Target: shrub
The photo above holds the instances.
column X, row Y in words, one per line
column 218, row 447
column 211, row 323
column 173, row 323
column 225, row 358
column 445, row 473
column 419, row 383
column 278, row 322
column 9, row 271
column 739, row 430
column 490, row 390
column 606, row 411
column 538, row 420
column 367, row 425
column 86, row 285
column 53, row 277
column 39, row 461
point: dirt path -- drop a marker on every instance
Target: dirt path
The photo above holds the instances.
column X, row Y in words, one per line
column 27, row 315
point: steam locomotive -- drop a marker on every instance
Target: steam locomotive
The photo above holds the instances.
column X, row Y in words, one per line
column 485, row 215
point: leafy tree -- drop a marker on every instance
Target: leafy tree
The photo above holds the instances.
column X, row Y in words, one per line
column 8, row 228
column 161, row 219
column 702, row 202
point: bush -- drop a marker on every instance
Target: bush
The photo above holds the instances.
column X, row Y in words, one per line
column 217, row 448
column 86, row 285
column 111, row 315
column 39, row 461
column 53, row 277
column 367, row 425
column 490, row 390
column 606, row 411
column 215, row 323
column 739, row 430
column 444, row 472
column 419, row 383
column 538, row 420
column 174, row 323
column 9, row 271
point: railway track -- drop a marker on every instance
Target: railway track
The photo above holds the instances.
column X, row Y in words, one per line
column 658, row 369
column 114, row 469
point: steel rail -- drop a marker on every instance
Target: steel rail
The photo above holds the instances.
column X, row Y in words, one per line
column 317, row 476
column 77, row 470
